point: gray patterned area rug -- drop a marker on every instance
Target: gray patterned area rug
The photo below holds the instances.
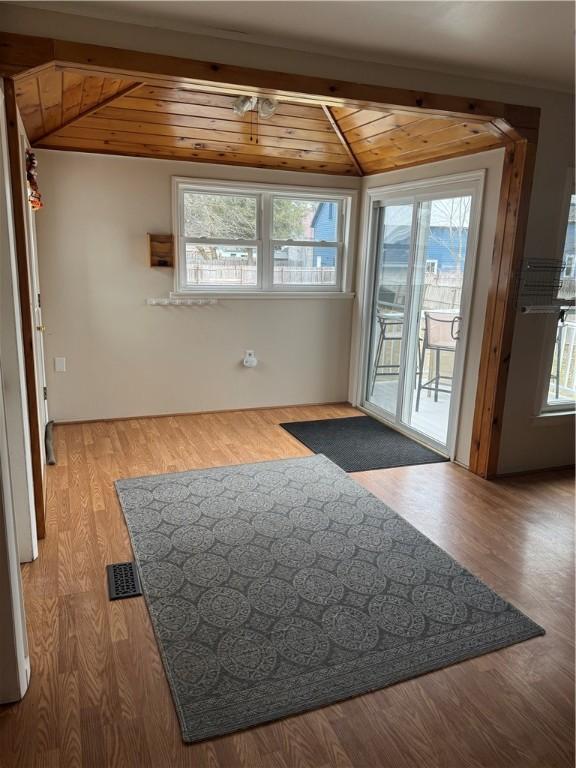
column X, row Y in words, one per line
column 282, row 586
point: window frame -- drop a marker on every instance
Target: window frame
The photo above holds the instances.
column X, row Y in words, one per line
column 181, row 281
column 564, row 407
column 265, row 193
column 338, row 244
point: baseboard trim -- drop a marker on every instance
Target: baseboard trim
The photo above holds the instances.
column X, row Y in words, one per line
column 70, row 422
column 542, row 470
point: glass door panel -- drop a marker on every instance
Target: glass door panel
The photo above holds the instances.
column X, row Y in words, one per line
column 422, row 267
column 435, row 315
column 395, row 226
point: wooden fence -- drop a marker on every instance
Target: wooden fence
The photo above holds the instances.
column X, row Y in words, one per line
column 244, row 274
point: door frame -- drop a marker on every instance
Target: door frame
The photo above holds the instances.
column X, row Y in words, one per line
column 18, row 190
column 467, row 182
column 35, row 307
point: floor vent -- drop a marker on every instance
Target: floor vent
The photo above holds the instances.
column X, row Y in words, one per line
column 123, row 581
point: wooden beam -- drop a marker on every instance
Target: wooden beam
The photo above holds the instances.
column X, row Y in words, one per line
column 19, row 52
column 19, row 215
column 501, row 307
column 334, row 123
column 90, row 111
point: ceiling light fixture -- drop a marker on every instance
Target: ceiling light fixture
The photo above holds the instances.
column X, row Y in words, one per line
column 244, row 104
column 267, row 107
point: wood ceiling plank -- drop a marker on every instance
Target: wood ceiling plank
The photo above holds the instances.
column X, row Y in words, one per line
column 386, row 123
column 264, row 128
column 223, row 101
column 125, row 83
column 50, row 86
column 144, row 150
column 217, row 113
column 470, row 146
column 199, row 134
column 358, row 119
column 418, row 128
column 91, row 110
column 256, row 150
column 91, row 92
column 401, row 145
column 340, row 112
column 110, row 87
column 28, row 97
column 71, row 95
column 345, row 146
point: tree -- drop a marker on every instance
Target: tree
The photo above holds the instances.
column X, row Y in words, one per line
column 292, row 218
column 233, row 217
column 230, row 217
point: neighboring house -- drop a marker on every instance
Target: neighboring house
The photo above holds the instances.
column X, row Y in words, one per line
column 324, row 226
column 445, row 250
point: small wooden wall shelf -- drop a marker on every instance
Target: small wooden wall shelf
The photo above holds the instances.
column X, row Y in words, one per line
column 161, row 250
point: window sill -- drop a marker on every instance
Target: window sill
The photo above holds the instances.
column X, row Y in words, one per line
column 554, row 417
column 262, row 295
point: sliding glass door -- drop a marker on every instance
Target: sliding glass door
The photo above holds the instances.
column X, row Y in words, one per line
column 423, row 249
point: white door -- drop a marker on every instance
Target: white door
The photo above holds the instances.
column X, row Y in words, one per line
column 36, row 310
column 424, row 238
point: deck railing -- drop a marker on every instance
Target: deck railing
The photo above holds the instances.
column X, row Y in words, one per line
column 563, row 383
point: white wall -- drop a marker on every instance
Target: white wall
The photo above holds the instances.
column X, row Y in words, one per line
column 525, row 444
column 491, row 162
column 128, row 359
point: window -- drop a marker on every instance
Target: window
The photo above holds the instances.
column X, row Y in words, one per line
column 432, row 266
column 305, row 242
column 561, row 393
column 220, row 239
column 244, row 238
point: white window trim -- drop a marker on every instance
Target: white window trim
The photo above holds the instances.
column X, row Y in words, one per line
column 347, row 202
column 564, row 407
column 558, row 407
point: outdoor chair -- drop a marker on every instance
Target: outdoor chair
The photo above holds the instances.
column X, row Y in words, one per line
column 390, row 328
column 441, row 333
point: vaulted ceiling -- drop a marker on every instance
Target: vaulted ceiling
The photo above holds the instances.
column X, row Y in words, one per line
column 67, row 110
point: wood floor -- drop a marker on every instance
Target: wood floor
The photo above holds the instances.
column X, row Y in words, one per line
column 98, row 695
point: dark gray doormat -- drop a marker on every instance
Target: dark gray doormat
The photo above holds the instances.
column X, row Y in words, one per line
column 359, row 443
column 283, row 586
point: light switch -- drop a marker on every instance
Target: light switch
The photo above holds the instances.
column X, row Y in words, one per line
column 60, row 364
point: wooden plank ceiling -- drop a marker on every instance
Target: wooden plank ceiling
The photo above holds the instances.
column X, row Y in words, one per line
column 66, row 110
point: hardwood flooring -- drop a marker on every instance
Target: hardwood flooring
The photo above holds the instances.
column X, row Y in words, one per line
column 98, row 695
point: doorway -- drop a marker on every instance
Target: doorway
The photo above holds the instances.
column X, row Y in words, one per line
column 423, row 239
